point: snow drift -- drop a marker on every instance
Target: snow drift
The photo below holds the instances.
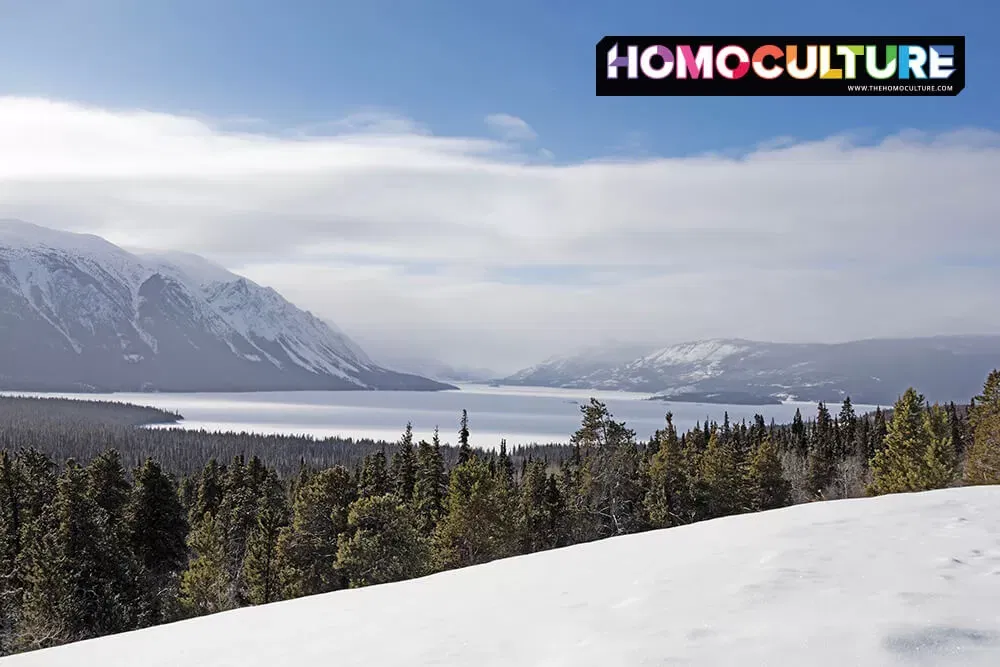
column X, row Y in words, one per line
column 896, row 580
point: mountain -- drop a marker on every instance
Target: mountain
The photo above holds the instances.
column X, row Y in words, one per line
column 906, row 579
column 79, row 313
column 871, row 372
column 438, row 370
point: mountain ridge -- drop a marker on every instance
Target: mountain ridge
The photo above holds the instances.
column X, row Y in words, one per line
column 80, row 313
column 870, row 371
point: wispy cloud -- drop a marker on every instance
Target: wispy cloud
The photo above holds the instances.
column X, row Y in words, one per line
column 821, row 240
column 510, row 128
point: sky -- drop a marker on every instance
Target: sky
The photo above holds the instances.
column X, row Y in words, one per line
column 439, row 179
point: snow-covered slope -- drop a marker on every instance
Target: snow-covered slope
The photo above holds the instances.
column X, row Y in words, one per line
column 77, row 312
column 733, row 370
column 882, row 582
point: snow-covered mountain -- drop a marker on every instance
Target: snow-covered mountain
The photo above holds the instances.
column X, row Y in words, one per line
column 735, row 370
column 436, row 369
column 79, row 313
column 901, row 580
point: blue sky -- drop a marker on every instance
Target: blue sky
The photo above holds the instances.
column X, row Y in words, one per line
column 449, row 63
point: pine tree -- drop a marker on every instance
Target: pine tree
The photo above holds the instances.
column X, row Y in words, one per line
column 879, row 431
column 37, row 473
column 307, row 548
column 668, row 499
column 430, row 486
column 11, row 490
column 612, row 483
column 940, row 459
column 236, row 517
column 464, row 450
column 722, row 478
column 770, row 488
column 108, row 486
column 156, row 529
column 261, row 569
column 957, row 427
column 848, row 423
column 209, row 492
column 374, row 479
column 404, row 466
column 206, row 585
column 983, row 460
column 534, row 514
column 478, row 525
column 799, row 440
column 77, row 580
column 383, row 543
column 902, row 465
column 822, row 454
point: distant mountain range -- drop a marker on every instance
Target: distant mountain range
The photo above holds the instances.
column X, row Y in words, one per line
column 438, row 370
column 873, row 372
column 78, row 313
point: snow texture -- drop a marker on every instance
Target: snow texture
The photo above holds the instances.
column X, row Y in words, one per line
column 82, row 283
column 879, row 582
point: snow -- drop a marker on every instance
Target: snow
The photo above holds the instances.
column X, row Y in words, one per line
column 891, row 581
column 45, row 267
column 703, row 352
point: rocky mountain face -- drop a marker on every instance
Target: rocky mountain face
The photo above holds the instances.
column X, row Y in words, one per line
column 78, row 313
column 944, row 368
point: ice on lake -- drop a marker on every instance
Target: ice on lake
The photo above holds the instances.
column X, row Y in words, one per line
column 517, row 414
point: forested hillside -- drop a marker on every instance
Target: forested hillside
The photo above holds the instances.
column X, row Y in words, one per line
column 140, row 527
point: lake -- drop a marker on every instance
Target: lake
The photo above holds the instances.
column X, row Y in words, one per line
column 518, row 414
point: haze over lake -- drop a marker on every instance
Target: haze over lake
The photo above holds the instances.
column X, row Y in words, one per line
column 518, row 414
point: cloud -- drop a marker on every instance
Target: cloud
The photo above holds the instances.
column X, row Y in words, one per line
column 464, row 249
column 510, row 128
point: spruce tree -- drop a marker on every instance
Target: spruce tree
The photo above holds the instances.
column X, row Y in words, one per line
column 429, row 487
column 477, row 526
column 307, row 548
column 107, row 483
column 822, row 455
column 915, row 438
column 612, row 484
column 534, row 520
column 77, row 578
column 878, row 434
column 668, row 499
column 11, row 490
column 723, row 480
column 261, row 568
column 156, row 529
column 983, row 459
column 404, row 466
column 464, row 450
column 940, row 459
column 383, row 543
column 206, row 585
column 374, row 479
column 799, row 440
column 209, row 491
column 770, row 488
column 848, row 426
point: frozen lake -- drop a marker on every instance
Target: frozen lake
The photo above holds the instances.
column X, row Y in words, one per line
column 518, row 414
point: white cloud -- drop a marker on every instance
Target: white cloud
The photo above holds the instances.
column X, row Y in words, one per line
column 510, row 128
column 462, row 249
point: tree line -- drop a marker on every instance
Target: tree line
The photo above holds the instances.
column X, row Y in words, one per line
column 88, row 550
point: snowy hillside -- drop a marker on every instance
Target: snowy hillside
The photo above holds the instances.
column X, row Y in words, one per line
column 869, row 371
column 882, row 582
column 77, row 312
